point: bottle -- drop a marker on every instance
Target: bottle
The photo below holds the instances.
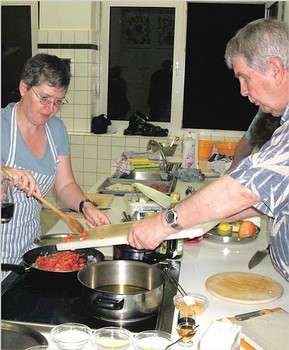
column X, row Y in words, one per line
column 190, row 150
column 173, row 248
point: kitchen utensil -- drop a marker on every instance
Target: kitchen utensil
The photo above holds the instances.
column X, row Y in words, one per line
column 71, row 336
column 176, row 283
column 53, row 238
column 73, row 224
column 252, row 314
column 244, row 287
column 214, row 235
column 122, row 290
column 258, row 257
column 108, row 338
column 17, row 336
column 152, row 339
column 126, row 252
column 198, row 307
column 29, row 258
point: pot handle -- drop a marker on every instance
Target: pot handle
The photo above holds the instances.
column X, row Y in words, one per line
column 20, row 270
column 154, row 257
column 108, row 303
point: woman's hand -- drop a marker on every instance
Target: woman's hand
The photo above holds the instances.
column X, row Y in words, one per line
column 94, row 216
column 22, row 179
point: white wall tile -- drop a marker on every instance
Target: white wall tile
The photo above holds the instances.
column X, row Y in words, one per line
column 67, row 36
column 54, row 36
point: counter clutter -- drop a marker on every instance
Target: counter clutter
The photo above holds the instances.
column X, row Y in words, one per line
column 204, row 258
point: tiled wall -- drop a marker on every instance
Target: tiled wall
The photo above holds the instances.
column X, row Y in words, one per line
column 80, row 47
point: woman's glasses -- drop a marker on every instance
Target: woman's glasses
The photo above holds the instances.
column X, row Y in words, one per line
column 45, row 100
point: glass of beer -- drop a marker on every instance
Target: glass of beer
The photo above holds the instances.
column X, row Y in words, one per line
column 7, row 200
column 186, row 328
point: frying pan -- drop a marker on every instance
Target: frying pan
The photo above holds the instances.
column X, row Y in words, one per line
column 90, row 255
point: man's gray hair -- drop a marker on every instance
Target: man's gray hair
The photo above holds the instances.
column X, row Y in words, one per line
column 259, row 41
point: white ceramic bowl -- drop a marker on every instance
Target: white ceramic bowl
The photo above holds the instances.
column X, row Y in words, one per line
column 152, row 340
column 70, row 336
column 200, row 303
column 111, row 338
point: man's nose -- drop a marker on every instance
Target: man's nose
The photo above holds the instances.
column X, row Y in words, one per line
column 243, row 89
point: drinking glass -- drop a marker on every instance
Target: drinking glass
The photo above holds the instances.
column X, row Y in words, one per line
column 186, row 328
column 7, row 201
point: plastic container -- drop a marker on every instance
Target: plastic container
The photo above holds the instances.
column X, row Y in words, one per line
column 227, row 148
column 190, row 150
column 205, row 149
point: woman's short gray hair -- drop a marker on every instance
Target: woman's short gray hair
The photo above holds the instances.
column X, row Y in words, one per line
column 259, row 41
column 48, row 69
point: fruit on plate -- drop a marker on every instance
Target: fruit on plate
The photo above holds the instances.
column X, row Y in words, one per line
column 247, row 228
column 224, row 228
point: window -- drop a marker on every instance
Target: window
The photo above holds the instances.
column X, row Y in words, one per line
column 18, row 43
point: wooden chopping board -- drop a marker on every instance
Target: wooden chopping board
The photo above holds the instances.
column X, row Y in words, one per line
column 244, row 287
column 115, row 234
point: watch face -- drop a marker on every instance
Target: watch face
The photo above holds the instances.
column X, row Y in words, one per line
column 171, row 216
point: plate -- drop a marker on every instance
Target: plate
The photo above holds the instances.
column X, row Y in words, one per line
column 161, row 198
column 17, row 336
column 230, row 237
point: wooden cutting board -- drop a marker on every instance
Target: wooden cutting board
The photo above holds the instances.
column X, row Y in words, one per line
column 244, row 287
column 115, row 234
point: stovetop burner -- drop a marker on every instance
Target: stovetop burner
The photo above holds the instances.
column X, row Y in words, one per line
column 28, row 298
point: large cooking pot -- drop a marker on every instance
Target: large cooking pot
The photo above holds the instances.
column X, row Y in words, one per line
column 127, row 252
column 122, row 290
column 90, row 255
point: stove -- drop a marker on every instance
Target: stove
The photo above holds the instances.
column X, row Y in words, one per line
column 28, row 298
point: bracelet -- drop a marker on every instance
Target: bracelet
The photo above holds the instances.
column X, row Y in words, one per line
column 81, row 204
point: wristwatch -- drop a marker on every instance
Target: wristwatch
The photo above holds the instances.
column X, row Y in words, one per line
column 171, row 218
column 81, row 205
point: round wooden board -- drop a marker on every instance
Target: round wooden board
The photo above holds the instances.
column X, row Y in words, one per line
column 244, row 287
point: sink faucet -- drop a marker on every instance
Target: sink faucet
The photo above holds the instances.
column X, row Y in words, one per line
column 164, row 159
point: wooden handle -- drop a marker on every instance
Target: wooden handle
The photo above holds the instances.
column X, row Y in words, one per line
column 51, row 206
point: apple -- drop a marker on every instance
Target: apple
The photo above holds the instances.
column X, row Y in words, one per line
column 247, row 228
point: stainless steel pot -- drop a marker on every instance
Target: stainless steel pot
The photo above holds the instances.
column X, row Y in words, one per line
column 121, row 290
column 127, row 252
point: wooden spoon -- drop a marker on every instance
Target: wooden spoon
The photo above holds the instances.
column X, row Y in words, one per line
column 73, row 224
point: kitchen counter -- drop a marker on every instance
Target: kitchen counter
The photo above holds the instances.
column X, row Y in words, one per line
column 204, row 259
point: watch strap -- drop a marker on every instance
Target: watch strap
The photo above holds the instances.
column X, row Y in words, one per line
column 81, row 204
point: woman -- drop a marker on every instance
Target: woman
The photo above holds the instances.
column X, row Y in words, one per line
column 34, row 139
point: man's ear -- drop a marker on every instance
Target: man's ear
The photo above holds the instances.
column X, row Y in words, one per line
column 278, row 69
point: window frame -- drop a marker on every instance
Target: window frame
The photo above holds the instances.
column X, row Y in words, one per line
column 178, row 59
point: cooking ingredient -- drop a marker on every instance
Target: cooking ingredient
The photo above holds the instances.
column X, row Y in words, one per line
column 62, row 261
column 121, row 187
column 158, row 343
column 187, row 309
column 71, row 336
column 163, row 188
column 68, row 238
column 247, row 228
column 112, row 343
column 84, row 235
column 224, row 228
column 189, row 300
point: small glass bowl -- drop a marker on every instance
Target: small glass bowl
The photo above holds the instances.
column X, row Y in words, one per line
column 111, row 338
column 153, row 340
column 201, row 303
column 70, row 336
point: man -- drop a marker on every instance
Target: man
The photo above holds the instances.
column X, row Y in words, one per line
column 260, row 183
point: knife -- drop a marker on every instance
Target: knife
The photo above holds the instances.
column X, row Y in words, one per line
column 258, row 257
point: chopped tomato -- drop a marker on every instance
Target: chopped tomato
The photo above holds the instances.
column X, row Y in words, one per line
column 69, row 238
column 62, row 261
column 84, row 235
